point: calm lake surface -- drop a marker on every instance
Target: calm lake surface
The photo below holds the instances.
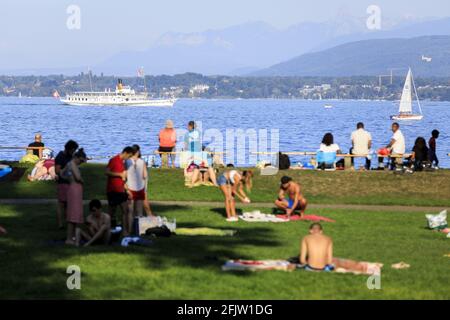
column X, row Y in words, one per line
column 104, row 131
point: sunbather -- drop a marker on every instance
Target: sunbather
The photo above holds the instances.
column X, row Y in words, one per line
column 45, row 168
column 232, row 183
column 98, row 226
column 317, row 255
column 295, row 201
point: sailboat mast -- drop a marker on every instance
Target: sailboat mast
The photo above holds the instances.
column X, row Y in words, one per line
column 415, row 91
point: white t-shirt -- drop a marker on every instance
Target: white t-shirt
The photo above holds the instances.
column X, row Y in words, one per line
column 332, row 148
column 399, row 146
column 135, row 174
column 361, row 140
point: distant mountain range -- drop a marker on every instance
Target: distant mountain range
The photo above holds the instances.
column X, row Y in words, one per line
column 428, row 56
column 247, row 48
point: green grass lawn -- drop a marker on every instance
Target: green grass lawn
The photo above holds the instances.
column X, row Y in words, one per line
column 184, row 267
column 377, row 188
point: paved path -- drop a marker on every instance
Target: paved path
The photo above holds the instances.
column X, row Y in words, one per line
column 359, row 207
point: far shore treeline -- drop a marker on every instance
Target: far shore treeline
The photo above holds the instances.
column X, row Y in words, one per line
column 192, row 85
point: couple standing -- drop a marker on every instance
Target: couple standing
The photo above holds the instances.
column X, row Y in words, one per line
column 127, row 187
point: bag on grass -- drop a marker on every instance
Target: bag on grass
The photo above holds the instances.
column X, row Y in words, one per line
column 162, row 231
column 284, row 163
column 438, row 221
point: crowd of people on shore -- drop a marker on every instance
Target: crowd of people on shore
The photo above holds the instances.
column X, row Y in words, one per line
column 127, row 177
column 126, row 189
column 421, row 156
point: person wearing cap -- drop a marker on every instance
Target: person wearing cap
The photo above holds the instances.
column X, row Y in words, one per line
column 37, row 144
column 167, row 141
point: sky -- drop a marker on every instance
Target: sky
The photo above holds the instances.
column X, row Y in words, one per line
column 35, row 34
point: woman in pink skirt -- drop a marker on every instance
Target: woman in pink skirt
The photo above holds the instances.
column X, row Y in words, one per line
column 74, row 211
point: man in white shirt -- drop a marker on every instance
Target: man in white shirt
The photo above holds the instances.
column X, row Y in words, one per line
column 397, row 144
column 361, row 144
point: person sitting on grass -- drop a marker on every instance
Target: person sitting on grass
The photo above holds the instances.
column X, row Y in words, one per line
column 232, row 183
column 44, row 169
column 420, row 155
column 316, row 254
column 98, row 226
column 295, row 201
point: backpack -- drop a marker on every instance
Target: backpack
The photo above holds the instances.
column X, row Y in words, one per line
column 284, row 163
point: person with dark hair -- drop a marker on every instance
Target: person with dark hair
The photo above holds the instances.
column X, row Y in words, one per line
column 98, row 226
column 61, row 160
column 136, row 182
column 328, row 144
column 295, row 200
column 192, row 139
column 397, row 146
column 432, row 144
column 361, row 144
column 72, row 174
column 232, row 184
column 116, row 189
column 420, row 154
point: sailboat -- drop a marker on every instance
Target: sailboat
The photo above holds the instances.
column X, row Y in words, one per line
column 405, row 111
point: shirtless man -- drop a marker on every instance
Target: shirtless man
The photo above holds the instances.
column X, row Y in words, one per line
column 317, row 255
column 295, row 202
column 98, row 225
column 317, row 250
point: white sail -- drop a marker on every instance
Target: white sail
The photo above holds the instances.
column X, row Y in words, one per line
column 406, row 101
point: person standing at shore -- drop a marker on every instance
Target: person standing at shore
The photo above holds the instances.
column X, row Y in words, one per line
column 167, row 142
column 136, row 180
column 61, row 160
column 72, row 174
column 116, row 189
column 432, row 144
column 192, row 139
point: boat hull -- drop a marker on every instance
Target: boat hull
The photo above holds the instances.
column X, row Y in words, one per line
column 412, row 117
column 167, row 103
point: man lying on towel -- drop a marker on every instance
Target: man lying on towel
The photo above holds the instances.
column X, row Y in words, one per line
column 295, row 200
column 317, row 255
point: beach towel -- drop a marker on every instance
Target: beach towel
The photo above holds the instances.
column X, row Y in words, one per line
column 205, row 232
column 258, row 216
column 258, row 265
column 312, row 218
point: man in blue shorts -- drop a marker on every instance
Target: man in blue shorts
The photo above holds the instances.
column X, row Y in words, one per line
column 295, row 200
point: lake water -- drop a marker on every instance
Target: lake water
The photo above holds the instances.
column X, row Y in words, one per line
column 104, row 131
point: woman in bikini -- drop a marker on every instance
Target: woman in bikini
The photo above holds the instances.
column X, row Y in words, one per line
column 232, row 184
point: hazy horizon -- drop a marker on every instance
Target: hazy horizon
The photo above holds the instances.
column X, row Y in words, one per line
column 36, row 35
